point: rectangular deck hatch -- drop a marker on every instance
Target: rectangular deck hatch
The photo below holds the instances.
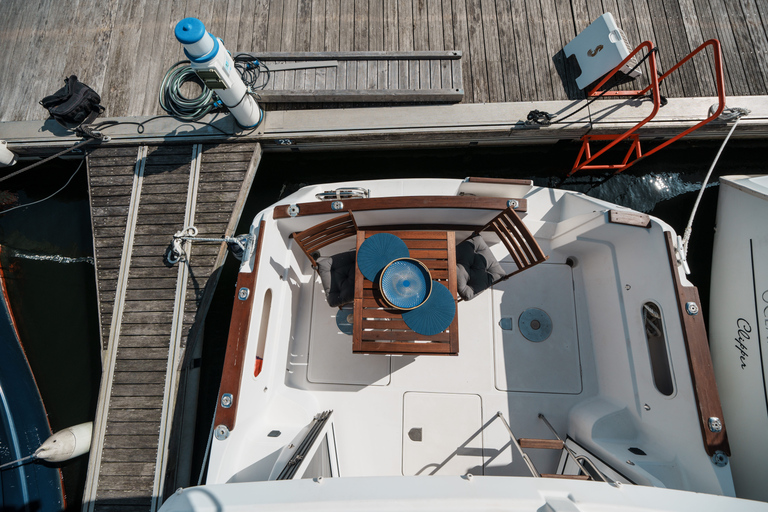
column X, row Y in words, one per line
column 442, row 434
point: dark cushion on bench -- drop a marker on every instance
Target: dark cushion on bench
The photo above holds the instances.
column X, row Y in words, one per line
column 337, row 274
column 476, row 267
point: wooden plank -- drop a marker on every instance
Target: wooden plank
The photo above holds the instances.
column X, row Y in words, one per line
column 135, row 428
column 132, row 402
column 363, row 95
column 143, row 441
column 525, row 62
column 688, row 75
column 461, row 42
column 547, row 444
column 131, row 415
column 120, row 482
column 759, row 45
column 479, row 75
column 123, row 58
column 317, row 42
column 421, row 42
column 274, row 27
column 666, row 54
column 146, row 365
column 405, row 42
column 508, row 51
column 127, row 469
column 553, row 45
column 492, row 51
column 703, row 62
column 30, row 37
column 142, row 353
column 699, row 360
column 435, row 36
column 236, row 341
column 538, row 45
column 386, row 203
column 736, row 69
column 263, row 12
column 331, row 41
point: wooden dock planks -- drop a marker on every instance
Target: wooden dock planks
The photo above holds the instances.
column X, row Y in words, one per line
column 509, row 48
column 141, row 196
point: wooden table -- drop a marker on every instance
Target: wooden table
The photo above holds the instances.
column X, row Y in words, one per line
column 378, row 328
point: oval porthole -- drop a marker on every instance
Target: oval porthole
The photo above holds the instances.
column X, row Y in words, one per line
column 653, row 323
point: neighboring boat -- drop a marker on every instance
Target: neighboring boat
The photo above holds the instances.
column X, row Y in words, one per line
column 24, row 486
column 576, row 353
column 739, row 325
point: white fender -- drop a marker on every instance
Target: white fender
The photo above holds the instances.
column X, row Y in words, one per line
column 66, row 444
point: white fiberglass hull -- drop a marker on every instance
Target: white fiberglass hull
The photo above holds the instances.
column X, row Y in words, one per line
column 739, row 326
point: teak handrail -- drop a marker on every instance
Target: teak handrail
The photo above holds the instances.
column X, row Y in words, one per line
column 586, row 150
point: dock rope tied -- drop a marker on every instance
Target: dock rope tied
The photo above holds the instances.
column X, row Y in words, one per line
column 237, row 244
column 729, row 114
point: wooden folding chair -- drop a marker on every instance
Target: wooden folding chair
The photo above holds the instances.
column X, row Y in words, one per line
column 311, row 240
column 518, row 240
column 478, row 269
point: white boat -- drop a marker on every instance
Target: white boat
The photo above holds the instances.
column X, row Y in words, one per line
column 581, row 379
column 739, row 325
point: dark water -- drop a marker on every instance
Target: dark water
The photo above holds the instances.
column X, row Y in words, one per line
column 55, row 303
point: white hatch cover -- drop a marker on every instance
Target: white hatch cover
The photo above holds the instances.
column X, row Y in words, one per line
column 442, row 434
column 535, row 341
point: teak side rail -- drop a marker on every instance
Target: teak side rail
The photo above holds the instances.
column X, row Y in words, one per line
column 700, row 363
column 237, row 340
column 399, row 202
column 586, row 150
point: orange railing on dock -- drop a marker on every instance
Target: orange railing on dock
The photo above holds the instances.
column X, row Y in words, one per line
column 586, row 157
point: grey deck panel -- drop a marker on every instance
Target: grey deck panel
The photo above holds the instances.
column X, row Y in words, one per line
column 509, row 47
column 134, row 403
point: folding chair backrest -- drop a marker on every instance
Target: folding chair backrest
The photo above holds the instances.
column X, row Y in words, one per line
column 315, row 238
column 518, row 240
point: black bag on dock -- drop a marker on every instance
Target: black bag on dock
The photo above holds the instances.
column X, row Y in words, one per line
column 73, row 104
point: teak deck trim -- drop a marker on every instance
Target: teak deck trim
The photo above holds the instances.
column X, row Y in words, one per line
column 392, row 203
column 237, row 341
column 699, row 361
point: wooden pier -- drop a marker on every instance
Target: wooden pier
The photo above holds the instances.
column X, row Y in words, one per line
column 511, row 49
column 150, row 310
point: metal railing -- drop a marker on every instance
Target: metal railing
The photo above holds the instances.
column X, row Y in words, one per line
column 586, row 156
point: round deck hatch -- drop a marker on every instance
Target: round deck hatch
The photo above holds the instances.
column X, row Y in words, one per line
column 535, row 324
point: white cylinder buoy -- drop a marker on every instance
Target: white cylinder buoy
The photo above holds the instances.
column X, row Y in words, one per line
column 66, row 444
column 215, row 67
column 6, row 155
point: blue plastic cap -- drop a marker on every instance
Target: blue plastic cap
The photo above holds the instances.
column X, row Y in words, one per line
column 189, row 30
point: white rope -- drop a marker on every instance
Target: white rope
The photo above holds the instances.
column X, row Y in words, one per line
column 729, row 114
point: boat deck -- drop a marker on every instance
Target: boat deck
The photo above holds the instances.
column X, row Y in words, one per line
column 511, row 49
column 404, row 414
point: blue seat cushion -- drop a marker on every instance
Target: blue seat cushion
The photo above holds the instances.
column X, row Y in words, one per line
column 337, row 274
column 476, row 267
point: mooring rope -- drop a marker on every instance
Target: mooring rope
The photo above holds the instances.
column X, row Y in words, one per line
column 729, row 114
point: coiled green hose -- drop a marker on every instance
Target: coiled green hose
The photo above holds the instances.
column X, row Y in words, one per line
column 175, row 103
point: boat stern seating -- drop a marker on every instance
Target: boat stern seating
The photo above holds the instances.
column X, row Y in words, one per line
column 337, row 272
column 476, row 267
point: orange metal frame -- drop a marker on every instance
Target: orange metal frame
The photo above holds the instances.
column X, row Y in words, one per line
column 587, row 157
